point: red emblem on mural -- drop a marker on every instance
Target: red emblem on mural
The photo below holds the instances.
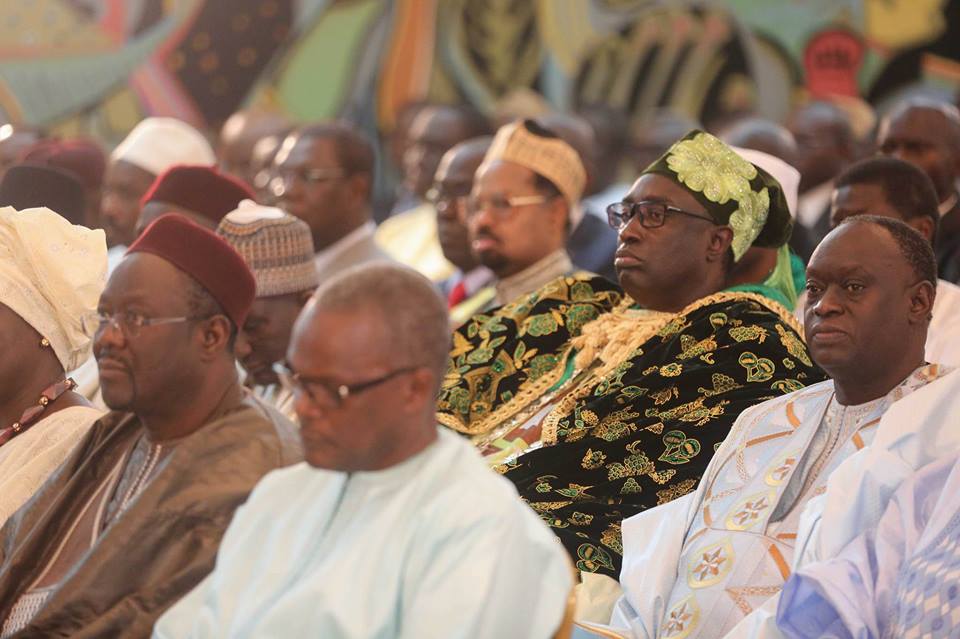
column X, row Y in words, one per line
column 832, row 61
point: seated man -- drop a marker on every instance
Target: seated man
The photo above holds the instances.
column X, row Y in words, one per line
column 324, row 175
column 470, row 288
column 898, row 189
column 393, row 527
column 916, row 431
column 25, row 186
column 279, row 251
column 132, row 519
column 51, row 274
column 696, row 566
column 410, row 236
column 599, row 408
column 152, row 147
column 201, row 193
column 522, row 207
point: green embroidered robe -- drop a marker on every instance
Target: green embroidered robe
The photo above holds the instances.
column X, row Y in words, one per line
column 629, row 440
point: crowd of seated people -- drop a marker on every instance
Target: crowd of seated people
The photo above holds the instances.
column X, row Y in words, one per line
column 567, row 379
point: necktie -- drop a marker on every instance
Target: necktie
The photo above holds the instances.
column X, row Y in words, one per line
column 457, row 294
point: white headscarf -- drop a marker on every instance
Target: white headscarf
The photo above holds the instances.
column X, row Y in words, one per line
column 51, row 274
column 785, row 174
column 156, row 144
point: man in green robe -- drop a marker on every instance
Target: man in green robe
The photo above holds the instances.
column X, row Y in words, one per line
column 600, row 402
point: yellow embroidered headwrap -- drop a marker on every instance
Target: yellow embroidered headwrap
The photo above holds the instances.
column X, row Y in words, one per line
column 734, row 192
column 526, row 143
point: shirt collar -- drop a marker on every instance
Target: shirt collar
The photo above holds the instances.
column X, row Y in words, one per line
column 947, row 205
column 533, row 277
column 328, row 255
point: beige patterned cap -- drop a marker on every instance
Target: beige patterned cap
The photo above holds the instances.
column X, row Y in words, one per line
column 547, row 155
column 277, row 247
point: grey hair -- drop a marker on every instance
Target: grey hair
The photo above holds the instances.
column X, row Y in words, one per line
column 413, row 313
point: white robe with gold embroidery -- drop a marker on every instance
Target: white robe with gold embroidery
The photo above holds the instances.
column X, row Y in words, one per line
column 696, row 566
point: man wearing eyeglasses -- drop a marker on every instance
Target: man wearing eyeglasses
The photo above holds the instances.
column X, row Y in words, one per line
column 278, row 249
column 471, row 287
column 522, row 206
column 410, row 236
column 392, row 527
column 324, row 176
column 132, row 519
column 601, row 403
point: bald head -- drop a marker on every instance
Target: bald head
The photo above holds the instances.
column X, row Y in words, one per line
column 408, row 308
column 762, row 135
column 239, row 135
column 825, row 142
column 367, row 357
column 435, row 130
column 925, row 133
column 451, row 186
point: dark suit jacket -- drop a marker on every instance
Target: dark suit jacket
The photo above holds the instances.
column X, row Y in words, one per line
column 591, row 246
column 948, row 245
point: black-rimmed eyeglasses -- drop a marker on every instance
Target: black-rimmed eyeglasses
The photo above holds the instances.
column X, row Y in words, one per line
column 325, row 393
column 650, row 214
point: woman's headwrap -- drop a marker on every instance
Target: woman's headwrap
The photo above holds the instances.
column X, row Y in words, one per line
column 52, row 274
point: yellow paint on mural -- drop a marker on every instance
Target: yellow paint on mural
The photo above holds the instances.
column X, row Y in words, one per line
column 54, row 25
column 897, row 24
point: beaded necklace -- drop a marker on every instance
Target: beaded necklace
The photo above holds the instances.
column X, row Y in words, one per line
column 32, row 415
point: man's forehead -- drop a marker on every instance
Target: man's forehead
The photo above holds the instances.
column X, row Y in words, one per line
column 145, row 278
column 855, row 247
column 303, row 150
column 121, row 171
column 919, row 123
column 860, row 193
column 357, row 331
column 462, row 167
column 503, row 174
column 658, row 188
column 435, row 124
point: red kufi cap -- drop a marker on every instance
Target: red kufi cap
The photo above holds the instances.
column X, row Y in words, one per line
column 79, row 156
column 201, row 189
column 204, row 256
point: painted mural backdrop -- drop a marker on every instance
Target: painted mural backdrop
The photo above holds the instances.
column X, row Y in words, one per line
column 97, row 66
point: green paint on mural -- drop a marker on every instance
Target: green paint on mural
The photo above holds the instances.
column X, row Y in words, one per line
column 313, row 81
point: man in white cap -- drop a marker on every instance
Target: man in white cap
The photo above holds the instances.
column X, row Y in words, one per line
column 51, row 275
column 152, row 147
column 522, row 207
column 279, row 251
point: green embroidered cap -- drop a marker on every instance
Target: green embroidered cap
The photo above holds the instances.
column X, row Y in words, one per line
column 734, row 192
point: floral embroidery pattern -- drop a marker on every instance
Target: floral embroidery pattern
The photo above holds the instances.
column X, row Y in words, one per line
column 706, row 165
column 635, row 437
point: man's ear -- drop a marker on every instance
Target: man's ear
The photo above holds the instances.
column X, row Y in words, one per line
column 215, row 336
column 360, row 186
column 720, row 239
column 924, row 225
column 421, row 390
column 560, row 214
column 922, row 296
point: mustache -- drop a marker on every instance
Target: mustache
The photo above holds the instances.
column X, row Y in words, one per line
column 485, row 235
